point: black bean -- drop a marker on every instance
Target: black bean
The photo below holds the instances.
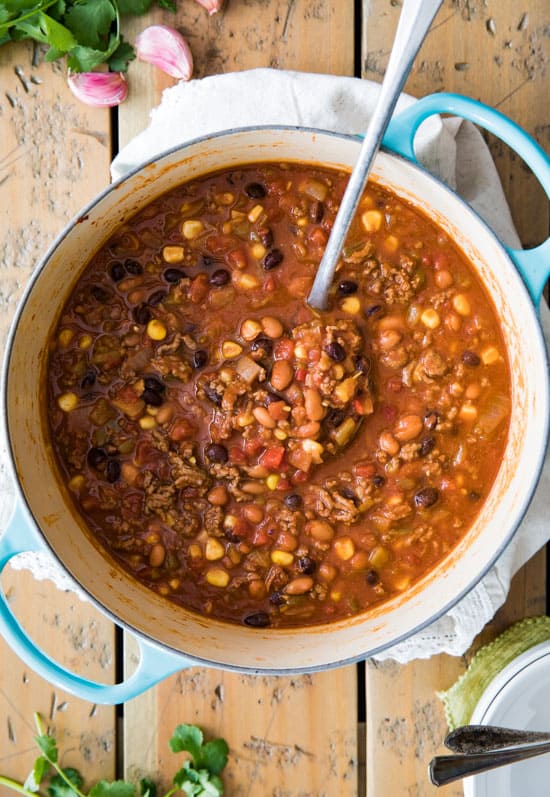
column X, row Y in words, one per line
column 316, row 211
column 206, row 261
column 117, row 271
column 231, row 536
column 426, row 497
column 257, row 620
column 157, row 297
column 255, row 190
column 264, row 343
column 213, row 395
column 273, row 259
column 374, row 309
column 474, row 496
column 142, row 314
column 266, row 237
column 335, row 417
column 307, row 565
column 362, row 363
column 99, row 294
column 277, row 598
column 347, row 287
column 427, row 444
column 378, row 481
column 372, row 578
column 271, row 398
column 133, row 267
column 200, row 358
column 174, row 274
column 152, row 398
column 293, row 501
column 216, row 453
column 431, row 419
column 154, row 383
column 96, row 457
column 336, row 351
column 348, row 494
column 220, row 277
column 471, row 359
column 88, row 379
column 113, row 470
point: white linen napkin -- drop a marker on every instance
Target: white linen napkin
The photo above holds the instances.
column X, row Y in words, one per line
column 452, row 150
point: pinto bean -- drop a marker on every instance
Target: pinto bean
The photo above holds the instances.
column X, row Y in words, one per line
column 313, row 405
column 282, row 374
column 299, row 585
column 408, row 427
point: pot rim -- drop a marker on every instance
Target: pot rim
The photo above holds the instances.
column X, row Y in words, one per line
column 43, row 263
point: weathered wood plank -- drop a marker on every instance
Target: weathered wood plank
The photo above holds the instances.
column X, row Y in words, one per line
column 55, row 155
column 288, row 736
column 497, row 53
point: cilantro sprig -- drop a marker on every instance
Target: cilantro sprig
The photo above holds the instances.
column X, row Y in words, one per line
column 87, row 32
column 198, row 777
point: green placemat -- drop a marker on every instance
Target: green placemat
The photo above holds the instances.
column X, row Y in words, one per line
column 461, row 699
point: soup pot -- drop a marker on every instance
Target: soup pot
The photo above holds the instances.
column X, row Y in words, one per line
column 170, row 637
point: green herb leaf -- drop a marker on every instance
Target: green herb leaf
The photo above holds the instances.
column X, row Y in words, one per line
column 57, row 35
column 48, row 747
column 117, row 788
column 135, row 7
column 121, row 57
column 188, row 738
column 214, row 755
column 147, row 788
column 58, row 787
column 36, row 775
column 169, row 5
column 90, row 22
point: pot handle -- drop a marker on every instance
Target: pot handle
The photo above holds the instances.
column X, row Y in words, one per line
column 155, row 663
column 533, row 264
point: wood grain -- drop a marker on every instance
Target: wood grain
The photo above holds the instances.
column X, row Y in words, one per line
column 55, row 155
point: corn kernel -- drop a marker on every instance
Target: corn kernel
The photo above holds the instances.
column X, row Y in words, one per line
column 245, row 281
column 67, row 402
column 372, row 220
column 195, row 551
column 250, row 329
column 345, row 548
column 335, row 595
column 338, row 371
column 367, row 202
column 282, row 558
column 244, row 419
column 468, row 412
column 258, row 251
column 163, row 589
column 227, row 227
column 85, row 342
column 302, row 221
column 430, row 318
column 192, row 228
column 490, row 355
column 156, row 329
column 173, row 254
column 217, row 577
column 255, row 213
column 229, row 522
column 147, row 422
column 391, row 243
column 461, row 304
column 272, row 481
column 231, row 349
column 214, row 549
column 378, row 557
column 65, row 337
column 174, row 584
column 351, row 305
column 76, row 482
column 225, row 199
column 280, row 434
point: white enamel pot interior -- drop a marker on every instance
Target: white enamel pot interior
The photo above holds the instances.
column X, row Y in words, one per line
column 202, row 638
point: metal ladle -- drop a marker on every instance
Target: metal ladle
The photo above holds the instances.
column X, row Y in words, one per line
column 414, row 23
column 484, row 747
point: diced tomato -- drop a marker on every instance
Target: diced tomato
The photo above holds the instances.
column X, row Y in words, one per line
column 237, row 456
column 284, row 484
column 260, row 537
column 278, row 410
column 300, row 374
column 395, row 384
column 253, row 446
column 181, row 430
column 389, row 413
column 272, row 457
column 269, row 285
column 299, row 477
column 314, row 355
column 284, row 349
column 237, row 259
column 219, row 243
column 318, row 237
column 365, row 469
column 199, row 288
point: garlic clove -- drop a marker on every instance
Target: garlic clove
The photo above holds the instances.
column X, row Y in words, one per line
column 100, row 89
column 165, row 48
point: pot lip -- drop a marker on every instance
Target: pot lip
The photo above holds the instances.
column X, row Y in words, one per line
column 21, row 498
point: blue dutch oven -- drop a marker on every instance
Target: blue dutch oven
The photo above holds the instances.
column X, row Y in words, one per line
column 171, row 638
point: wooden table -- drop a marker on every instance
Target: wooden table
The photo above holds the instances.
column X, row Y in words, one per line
column 366, row 729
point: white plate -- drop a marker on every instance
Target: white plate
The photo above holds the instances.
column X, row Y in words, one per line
column 518, row 697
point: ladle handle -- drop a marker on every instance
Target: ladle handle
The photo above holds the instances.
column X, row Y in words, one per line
column 533, row 264
column 155, row 663
column 448, row 768
column 414, row 22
